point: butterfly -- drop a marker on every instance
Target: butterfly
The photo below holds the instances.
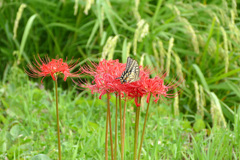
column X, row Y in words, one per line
column 131, row 73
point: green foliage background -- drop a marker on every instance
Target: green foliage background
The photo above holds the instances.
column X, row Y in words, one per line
column 204, row 36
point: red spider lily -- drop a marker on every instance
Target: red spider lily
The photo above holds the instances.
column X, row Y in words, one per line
column 148, row 86
column 56, row 66
column 136, row 90
column 106, row 72
column 156, row 87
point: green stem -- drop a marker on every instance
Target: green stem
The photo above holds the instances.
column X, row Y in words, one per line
column 124, row 120
column 144, row 126
column 58, row 130
column 136, row 132
column 115, row 151
column 121, row 128
column 106, row 134
column 110, row 125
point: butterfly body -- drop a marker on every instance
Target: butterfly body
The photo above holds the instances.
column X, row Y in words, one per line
column 131, row 73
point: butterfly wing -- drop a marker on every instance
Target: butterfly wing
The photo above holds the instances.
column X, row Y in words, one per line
column 131, row 73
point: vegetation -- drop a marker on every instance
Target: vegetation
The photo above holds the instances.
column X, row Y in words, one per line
column 197, row 41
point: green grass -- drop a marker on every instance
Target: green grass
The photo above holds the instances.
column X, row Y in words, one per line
column 197, row 41
column 28, row 127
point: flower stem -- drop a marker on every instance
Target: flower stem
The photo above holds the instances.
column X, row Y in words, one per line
column 121, row 128
column 136, row 132
column 58, row 130
column 124, row 120
column 115, row 151
column 106, row 134
column 144, row 126
column 110, row 125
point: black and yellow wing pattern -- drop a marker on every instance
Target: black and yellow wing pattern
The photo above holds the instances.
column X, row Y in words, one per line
column 131, row 73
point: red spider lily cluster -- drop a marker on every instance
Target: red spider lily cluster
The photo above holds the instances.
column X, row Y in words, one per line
column 52, row 67
column 106, row 80
column 106, row 72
